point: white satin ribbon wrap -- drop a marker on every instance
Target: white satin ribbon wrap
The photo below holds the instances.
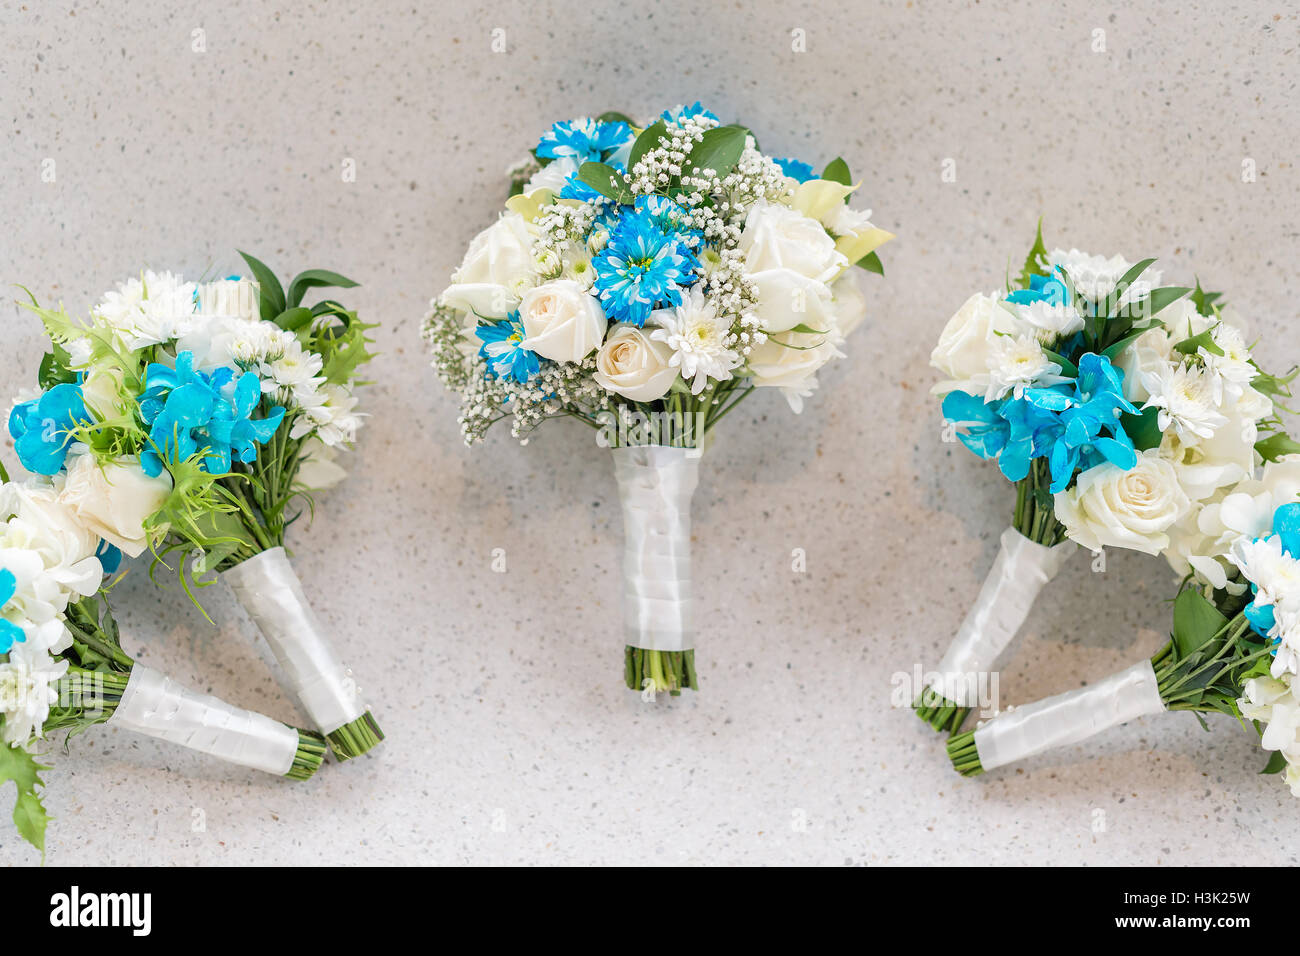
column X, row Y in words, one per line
column 655, row 485
column 271, row 593
column 1070, row 717
column 157, row 706
column 1020, row 571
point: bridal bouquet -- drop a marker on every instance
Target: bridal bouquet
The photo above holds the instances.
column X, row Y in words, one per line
column 1235, row 646
column 644, row 280
column 198, row 419
column 1117, row 407
column 62, row 666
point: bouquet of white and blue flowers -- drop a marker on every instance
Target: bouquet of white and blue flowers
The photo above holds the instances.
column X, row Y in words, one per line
column 197, row 420
column 62, row 665
column 1234, row 649
column 1117, row 407
column 644, row 279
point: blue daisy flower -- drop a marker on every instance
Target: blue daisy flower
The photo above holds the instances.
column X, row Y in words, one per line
column 190, row 411
column 42, row 428
column 670, row 217
column 796, row 169
column 504, row 352
column 679, row 113
column 642, row 269
column 584, row 140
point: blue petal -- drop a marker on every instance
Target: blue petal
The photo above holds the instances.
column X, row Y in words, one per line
column 248, row 392
column 1048, row 398
column 1117, row 453
column 110, row 558
column 8, row 584
column 962, row 407
column 10, row 634
column 1286, row 524
column 18, row 419
column 1260, row 617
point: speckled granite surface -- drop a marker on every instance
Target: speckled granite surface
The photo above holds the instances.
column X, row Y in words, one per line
column 511, row 739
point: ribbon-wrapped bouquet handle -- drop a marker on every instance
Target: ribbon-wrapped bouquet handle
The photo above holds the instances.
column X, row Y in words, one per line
column 157, row 706
column 269, row 590
column 1020, row 571
column 1058, row 721
column 655, row 486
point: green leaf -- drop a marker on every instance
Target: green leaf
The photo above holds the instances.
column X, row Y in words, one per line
column 1274, row 384
column 1031, row 267
column 648, row 140
column 1068, row 367
column 1194, row 343
column 53, row 370
column 837, row 171
column 1277, row 446
column 1276, row 763
column 607, row 181
column 30, row 818
column 1153, row 304
column 291, row 320
column 719, row 149
column 614, row 117
column 272, row 303
column 315, row 279
column 1128, row 278
column 805, row 329
column 871, row 262
column 1143, row 428
column 1204, row 301
column 1113, row 350
column 1196, row 621
column 4, row 473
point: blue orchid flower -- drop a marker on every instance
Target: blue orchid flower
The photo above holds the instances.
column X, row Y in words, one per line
column 42, row 428
column 10, row 633
column 796, row 169
column 1090, row 413
column 584, row 140
column 1049, row 288
column 679, row 113
column 503, row 351
column 641, row 269
column 1075, row 425
column 190, row 411
column 110, row 558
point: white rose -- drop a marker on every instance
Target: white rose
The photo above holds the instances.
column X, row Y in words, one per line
column 633, row 365
column 1146, row 356
column 553, row 176
column 848, row 304
column 102, row 391
column 42, row 522
column 966, row 343
column 498, row 260
column 114, row 500
column 775, row 365
column 787, row 299
column 562, row 321
column 1125, row 509
column 778, row 237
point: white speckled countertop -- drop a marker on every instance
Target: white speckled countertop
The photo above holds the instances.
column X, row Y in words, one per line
column 511, row 739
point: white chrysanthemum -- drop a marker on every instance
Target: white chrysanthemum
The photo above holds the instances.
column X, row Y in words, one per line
column 1187, row 400
column 157, row 307
column 26, row 694
column 294, row 368
column 1276, row 576
column 1275, row 703
column 1094, row 277
column 1233, row 371
column 1017, row 363
column 1050, row 322
column 331, row 416
column 700, row 339
column 37, row 595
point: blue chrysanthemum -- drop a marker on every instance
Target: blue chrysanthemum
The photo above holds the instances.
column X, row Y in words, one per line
column 504, row 352
column 642, row 269
column 41, row 428
column 190, row 411
column 796, row 169
column 584, row 140
column 668, row 216
column 678, row 113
